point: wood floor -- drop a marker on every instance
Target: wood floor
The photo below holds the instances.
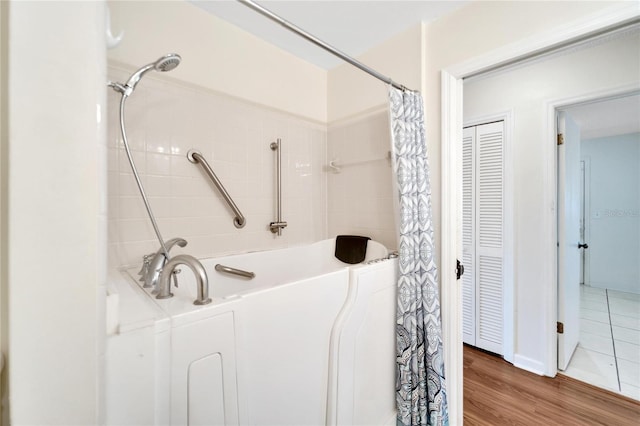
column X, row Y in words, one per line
column 497, row 393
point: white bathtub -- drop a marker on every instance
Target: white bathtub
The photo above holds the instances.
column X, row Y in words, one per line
column 308, row 341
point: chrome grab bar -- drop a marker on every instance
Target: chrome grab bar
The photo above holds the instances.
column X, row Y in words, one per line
column 278, row 224
column 234, row 271
column 196, row 157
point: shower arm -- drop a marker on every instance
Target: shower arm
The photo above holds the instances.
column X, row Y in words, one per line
column 137, row 178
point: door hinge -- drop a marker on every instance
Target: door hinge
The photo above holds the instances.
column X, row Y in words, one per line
column 560, row 327
column 560, row 139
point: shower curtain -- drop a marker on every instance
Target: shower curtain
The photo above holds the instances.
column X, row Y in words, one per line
column 420, row 384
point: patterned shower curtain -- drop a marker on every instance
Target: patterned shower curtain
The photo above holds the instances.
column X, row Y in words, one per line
column 420, row 385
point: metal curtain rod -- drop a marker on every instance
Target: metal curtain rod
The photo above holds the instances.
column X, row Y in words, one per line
column 291, row 27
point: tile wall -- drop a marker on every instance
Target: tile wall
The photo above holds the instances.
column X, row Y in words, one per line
column 164, row 119
column 360, row 194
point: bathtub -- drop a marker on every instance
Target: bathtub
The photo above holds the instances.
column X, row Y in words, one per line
column 308, row 341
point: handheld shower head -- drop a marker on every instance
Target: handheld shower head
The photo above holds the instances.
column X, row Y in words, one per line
column 167, row 62
column 163, row 64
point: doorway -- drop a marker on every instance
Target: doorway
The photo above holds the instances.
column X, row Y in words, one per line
column 607, row 299
column 452, row 124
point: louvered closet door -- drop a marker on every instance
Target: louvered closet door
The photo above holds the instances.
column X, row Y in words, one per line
column 483, row 206
column 468, row 237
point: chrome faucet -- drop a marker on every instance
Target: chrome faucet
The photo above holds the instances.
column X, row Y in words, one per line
column 164, row 285
column 154, row 263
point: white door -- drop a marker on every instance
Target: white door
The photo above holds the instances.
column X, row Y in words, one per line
column 468, row 237
column 568, row 238
column 483, row 236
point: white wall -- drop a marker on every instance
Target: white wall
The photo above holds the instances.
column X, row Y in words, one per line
column 472, row 31
column 613, row 214
column 4, row 19
column 525, row 90
column 56, row 214
column 352, row 92
column 360, row 195
column 218, row 56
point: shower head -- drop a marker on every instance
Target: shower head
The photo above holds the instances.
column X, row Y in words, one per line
column 165, row 63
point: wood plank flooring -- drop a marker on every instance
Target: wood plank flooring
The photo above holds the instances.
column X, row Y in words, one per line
column 497, row 393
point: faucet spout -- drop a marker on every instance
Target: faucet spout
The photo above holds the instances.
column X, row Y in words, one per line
column 158, row 261
column 198, row 270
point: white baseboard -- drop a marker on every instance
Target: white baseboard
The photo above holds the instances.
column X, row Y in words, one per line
column 528, row 364
column 627, row 287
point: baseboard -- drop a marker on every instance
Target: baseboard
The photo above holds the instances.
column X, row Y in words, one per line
column 528, row 364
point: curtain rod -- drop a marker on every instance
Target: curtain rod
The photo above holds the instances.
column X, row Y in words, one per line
column 291, row 27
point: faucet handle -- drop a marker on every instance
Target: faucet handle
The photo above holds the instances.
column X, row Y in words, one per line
column 146, row 261
column 174, row 276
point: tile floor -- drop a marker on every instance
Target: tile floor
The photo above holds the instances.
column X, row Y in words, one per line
column 608, row 354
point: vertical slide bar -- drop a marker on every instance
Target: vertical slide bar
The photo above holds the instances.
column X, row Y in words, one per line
column 276, row 227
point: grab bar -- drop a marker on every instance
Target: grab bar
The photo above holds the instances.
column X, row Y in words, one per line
column 196, row 157
column 234, row 271
column 278, row 224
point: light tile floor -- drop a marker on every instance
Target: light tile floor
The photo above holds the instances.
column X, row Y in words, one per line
column 608, row 354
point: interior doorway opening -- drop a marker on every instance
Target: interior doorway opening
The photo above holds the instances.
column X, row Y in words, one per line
column 606, row 278
column 452, row 124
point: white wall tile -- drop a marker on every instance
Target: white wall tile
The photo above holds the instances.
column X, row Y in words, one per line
column 181, row 166
column 157, row 186
column 158, row 164
column 134, row 230
column 359, row 196
column 131, row 207
column 139, row 158
column 127, row 185
column 165, row 120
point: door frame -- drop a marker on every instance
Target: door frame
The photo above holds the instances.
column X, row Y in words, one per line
column 571, row 317
column 451, row 132
column 586, row 207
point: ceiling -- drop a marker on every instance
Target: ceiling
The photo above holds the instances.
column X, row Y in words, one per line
column 352, row 27
column 611, row 117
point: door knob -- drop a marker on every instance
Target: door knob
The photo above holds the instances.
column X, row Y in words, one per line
column 584, row 246
column 459, row 269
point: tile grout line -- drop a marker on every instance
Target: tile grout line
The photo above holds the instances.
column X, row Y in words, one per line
column 613, row 341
